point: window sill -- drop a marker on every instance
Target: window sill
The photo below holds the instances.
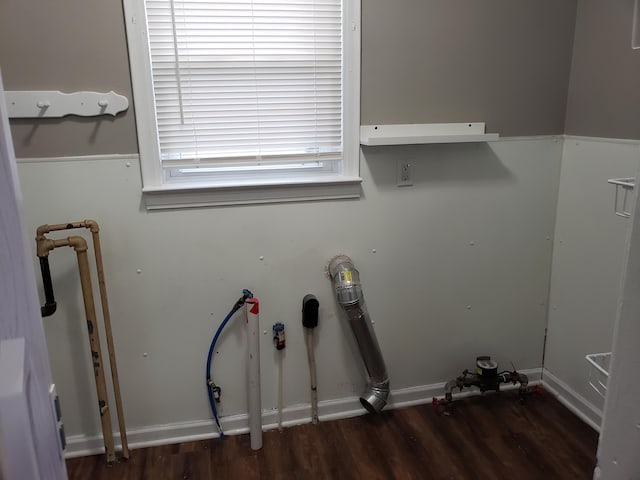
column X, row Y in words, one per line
column 178, row 196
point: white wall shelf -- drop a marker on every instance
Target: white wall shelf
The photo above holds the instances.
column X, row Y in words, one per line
column 55, row 104
column 420, row 133
column 624, row 187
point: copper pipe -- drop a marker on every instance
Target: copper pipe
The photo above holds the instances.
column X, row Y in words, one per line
column 79, row 244
column 44, row 229
column 106, row 317
column 43, row 244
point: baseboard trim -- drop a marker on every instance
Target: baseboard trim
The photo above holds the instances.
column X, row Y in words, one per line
column 82, row 445
column 571, row 399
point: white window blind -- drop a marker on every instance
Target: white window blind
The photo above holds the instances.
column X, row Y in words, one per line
column 257, row 81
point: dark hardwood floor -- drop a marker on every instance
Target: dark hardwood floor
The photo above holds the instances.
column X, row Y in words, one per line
column 486, row 437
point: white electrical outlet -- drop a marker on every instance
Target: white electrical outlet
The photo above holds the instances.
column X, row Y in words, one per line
column 404, row 178
column 57, row 415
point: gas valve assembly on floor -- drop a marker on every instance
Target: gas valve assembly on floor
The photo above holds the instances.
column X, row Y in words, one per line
column 486, row 378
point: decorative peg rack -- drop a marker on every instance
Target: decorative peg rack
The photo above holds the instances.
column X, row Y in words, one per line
column 54, row 104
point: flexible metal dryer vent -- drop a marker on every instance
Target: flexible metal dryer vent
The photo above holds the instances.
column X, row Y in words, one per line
column 346, row 282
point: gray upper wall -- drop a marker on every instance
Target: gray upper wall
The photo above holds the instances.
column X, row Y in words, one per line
column 604, row 93
column 70, row 45
column 505, row 62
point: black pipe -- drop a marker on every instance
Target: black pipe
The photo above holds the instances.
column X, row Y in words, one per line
column 310, row 307
column 50, row 305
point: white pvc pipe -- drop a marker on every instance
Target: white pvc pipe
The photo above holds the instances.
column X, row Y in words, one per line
column 280, row 390
column 312, row 374
column 255, row 405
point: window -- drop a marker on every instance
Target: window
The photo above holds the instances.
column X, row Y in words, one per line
column 245, row 101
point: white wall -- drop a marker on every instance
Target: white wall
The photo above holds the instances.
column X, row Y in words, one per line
column 461, row 268
column 588, row 261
